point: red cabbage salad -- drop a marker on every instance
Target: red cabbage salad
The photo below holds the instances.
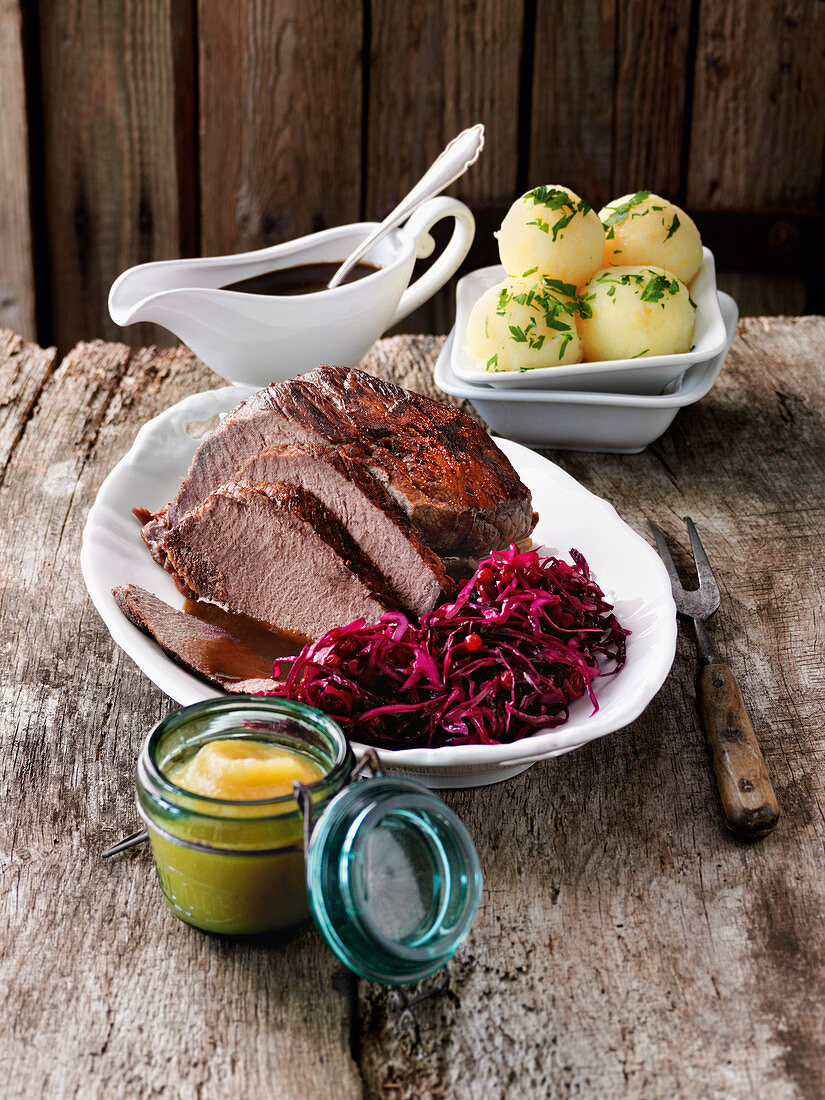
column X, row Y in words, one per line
column 524, row 638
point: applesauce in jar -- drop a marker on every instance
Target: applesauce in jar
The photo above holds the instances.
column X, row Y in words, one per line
column 215, row 790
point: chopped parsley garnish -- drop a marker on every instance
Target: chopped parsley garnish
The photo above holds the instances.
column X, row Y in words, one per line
column 532, row 271
column 563, row 288
column 692, row 302
column 525, row 298
column 549, row 300
column 657, row 287
column 620, row 280
column 653, row 290
column 554, row 198
column 619, row 213
column 674, row 225
column 640, row 354
column 562, row 223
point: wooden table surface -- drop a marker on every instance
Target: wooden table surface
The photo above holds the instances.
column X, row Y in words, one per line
column 626, row 945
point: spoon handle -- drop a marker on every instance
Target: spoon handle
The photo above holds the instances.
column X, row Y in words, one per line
column 451, row 163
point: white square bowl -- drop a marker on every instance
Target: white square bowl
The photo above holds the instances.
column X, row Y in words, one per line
column 638, row 376
column 580, row 421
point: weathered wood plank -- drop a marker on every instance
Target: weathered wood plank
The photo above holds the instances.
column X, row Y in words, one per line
column 280, row 87
column 441, row 69
column 651, row 79
column 112, row 73
column 759, row 105
column 24, row 368
column 571, row 134
column 106, row 992
column 764, row 295
column 626, row 944
column 17, row 296
column 434, row 70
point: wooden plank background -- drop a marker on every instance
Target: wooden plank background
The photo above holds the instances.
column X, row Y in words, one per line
column 134, row 130
column 16, row 261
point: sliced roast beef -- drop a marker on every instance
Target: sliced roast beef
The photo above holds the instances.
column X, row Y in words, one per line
column 274, row 552
column 339, row 479
column 442, row 469
column 201, row 647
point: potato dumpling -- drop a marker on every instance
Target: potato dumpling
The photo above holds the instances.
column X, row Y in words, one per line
column 551, row 231
column 635, row 312
column 522, row 324
column 646, row 229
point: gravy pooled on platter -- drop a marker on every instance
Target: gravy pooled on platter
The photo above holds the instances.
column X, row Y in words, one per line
column 302, row 279
column 250, row 651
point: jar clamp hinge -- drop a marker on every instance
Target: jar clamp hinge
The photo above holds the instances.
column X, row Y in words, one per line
column 368, row 764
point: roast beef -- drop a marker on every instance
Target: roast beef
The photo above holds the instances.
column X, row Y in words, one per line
column 441, row 468
column 274, row 552
column 199, row 646
column 339, row 479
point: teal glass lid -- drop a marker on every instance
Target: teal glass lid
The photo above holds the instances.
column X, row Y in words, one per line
column 393, row 878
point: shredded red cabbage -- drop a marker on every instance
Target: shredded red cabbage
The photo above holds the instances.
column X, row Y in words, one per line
column 525, row 636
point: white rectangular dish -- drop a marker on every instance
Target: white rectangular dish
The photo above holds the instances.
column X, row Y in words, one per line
column 611, row 422
column 636, row 376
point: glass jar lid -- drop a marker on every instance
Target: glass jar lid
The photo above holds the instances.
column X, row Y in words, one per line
column 393, row 879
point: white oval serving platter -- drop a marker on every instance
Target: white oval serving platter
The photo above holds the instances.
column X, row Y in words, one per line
column 624, row 565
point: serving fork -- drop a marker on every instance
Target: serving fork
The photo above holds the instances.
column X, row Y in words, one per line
column 748, row 800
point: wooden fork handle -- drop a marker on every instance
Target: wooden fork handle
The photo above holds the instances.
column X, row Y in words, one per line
column 748, row 798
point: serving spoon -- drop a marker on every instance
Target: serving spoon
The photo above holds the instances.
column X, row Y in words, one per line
column 448, row 166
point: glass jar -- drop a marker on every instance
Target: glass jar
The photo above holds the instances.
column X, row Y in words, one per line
column 390, row 875
column 394, row 879
column 236, row 867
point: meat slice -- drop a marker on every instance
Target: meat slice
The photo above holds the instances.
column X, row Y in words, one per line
column 274, row 552
column 442, row 469
column 199, row 646
column 339, row 479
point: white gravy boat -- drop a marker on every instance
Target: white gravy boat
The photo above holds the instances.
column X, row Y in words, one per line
column 256, row 338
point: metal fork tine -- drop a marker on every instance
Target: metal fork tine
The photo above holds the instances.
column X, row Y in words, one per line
column 664, row 554
column 707, row 580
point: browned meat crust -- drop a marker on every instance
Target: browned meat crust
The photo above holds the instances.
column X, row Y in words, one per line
column 438, row 465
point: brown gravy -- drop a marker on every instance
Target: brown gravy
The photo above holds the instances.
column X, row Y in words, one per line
column 303, row 279
column 249, row 652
